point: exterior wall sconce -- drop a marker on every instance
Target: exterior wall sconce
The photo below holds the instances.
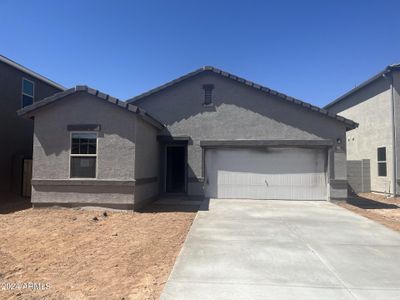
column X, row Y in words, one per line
column 338, row 144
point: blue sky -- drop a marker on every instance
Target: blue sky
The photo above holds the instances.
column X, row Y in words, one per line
column 312, row 50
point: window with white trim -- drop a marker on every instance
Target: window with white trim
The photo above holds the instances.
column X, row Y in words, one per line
column 382, row 166
column 83, row 157
column 28, row 92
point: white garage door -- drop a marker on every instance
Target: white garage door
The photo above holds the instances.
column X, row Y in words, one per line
column 273, row 173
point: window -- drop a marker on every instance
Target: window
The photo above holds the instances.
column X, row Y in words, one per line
column 208, row 93
column 83, row 155
column 28, row 92
column 382, row 171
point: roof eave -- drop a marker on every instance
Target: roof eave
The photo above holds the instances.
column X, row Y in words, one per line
column 166, row 85
column 31, row 73
column 29, row 111
column 247, row 83
column 388, row 69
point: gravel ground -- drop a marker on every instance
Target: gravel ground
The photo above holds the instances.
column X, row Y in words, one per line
column 84, row 254
column 376, row 207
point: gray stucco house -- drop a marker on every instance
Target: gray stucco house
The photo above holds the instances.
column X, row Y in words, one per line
column 208, row 133
column 373, row 147
column 19, row 87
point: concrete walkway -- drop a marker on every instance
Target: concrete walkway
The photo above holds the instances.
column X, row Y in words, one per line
column 252, row 249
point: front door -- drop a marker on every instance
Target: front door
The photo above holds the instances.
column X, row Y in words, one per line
column 175, row 169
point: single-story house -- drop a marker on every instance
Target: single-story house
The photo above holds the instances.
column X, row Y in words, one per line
column 208, row 133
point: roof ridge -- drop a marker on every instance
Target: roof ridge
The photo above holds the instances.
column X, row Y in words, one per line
column 397, row 65
column 257, row 86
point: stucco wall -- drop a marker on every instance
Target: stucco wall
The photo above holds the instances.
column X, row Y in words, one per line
column 146, row 162
column 239, row 112
column 116, row 150
column 16, row 133
column 396, row 94
column 371, row 108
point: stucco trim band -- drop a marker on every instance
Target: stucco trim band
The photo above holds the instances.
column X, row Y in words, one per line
column 116, row 206
column 173, row 139
column 266, row 143
column 80, row 182
column 84, row 127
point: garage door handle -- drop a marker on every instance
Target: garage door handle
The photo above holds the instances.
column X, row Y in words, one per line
column 266, row 182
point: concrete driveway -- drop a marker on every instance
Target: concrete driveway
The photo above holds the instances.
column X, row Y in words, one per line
column 252, row 249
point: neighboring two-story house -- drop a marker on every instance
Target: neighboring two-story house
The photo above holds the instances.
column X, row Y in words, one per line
column 373, row 148
column 19, row 87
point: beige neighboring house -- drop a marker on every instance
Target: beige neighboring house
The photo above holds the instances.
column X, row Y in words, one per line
column 373, row 148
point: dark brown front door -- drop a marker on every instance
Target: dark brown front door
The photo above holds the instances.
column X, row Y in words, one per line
column 176, row 169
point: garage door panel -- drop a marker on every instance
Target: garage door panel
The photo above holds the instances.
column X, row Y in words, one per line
column 294, row 173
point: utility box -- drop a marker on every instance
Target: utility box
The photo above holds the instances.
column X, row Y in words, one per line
column 359, row 176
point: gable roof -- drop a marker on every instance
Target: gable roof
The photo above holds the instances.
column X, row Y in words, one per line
column 349, row 123
column 28, row 110
column 30, row 72
column 388, row 69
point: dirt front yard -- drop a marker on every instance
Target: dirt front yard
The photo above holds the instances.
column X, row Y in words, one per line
column 78, row 254
column 376, row 207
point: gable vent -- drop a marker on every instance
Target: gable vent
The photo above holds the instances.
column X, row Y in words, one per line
column 208, row 93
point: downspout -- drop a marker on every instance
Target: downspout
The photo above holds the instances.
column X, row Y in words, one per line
column 393, row 119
